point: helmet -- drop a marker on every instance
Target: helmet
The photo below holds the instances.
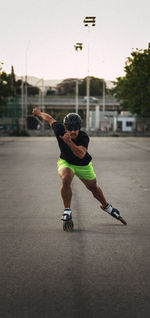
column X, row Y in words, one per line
column 72, row 121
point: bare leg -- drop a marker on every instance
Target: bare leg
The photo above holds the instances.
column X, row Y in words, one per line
column 66, row 176
column 98, row 194
column 96, row 191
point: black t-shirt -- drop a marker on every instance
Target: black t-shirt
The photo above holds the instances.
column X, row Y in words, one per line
column 66, row 152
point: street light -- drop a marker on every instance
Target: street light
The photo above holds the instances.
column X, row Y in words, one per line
column 103, row 95
column 26, row 86
column 41, row 93
column 88, row 21
column 22, row 103
column 41, row 97
column 78, row 47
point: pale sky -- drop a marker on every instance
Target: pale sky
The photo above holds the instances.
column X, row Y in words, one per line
column 39, row 36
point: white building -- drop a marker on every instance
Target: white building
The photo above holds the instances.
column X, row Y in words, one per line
column 125, row 122
column 110, row 121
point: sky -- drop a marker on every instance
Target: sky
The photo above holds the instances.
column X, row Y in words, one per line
column 37, row 37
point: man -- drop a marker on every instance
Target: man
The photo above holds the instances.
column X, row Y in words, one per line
column 75, row 160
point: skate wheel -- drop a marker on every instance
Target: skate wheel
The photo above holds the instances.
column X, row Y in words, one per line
column 68, row 226
column 122, row 220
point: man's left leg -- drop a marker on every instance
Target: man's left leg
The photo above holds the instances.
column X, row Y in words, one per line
column 98, row 194
column 96, row 191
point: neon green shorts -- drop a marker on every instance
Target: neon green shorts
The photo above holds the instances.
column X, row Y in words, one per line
column 82, row 172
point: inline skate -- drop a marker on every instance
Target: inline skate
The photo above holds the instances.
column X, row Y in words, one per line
column 67, row 220
column 114, row 213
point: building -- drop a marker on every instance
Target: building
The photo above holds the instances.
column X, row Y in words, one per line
column 111, row 121
column 125, row 122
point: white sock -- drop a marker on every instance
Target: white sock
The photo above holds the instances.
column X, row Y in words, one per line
column 109, row 208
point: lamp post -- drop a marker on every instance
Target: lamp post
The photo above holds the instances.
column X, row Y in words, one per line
column 41, row 98
column 26, row 101
column 26, row 86
column 103, row 95
column 22, row 103
column 78, row 46
column 88, row 21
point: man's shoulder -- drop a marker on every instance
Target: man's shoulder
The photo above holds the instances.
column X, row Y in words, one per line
column 57, row 124
column 58, row 128
column 83, row 139
column 83, row 134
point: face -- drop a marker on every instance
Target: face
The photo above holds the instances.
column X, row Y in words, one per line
column 73, row 133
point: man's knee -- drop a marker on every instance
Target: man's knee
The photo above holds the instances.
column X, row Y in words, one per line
column 66, row 180
column 66, row 176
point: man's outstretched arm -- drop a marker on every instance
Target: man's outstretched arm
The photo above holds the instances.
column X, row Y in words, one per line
column 46, row 117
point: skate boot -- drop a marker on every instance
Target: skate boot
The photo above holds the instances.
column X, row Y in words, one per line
column 67, row 220
column 114, row 213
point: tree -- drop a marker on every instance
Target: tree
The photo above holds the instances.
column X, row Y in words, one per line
column 9, row 87
column 5, row 89
column 13, row 81
column 7, row 83
column 32, row 90
column 133, row 90
column 67, row 87
column 96, row 87
column 2, row 88
column 51, row 91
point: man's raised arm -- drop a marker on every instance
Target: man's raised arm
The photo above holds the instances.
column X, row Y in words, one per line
column 46, row 117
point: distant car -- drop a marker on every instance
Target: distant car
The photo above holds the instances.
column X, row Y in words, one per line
column 91, row 99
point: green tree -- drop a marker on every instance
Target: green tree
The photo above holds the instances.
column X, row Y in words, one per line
column 5, row 87
column 32, row 90
column 67, row 87
column 13, row 81
column 5, row 90
column 7, row 84
column 96, row 87
column 133, row 90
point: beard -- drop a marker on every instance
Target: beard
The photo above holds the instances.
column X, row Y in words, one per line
column 73, row 136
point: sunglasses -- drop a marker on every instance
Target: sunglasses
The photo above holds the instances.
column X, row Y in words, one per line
column 72, row 128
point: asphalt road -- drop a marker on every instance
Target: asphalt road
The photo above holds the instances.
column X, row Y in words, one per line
column 102, row 269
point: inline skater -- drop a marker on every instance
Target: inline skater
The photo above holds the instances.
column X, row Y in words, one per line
column 75, row 160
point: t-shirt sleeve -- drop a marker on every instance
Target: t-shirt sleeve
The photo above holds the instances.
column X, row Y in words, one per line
column 84, row 141
column 58, row 129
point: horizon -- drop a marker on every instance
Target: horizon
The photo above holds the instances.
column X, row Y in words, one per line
column 32, row 79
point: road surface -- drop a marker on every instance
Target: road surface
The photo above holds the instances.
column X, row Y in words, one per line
column 102, row 269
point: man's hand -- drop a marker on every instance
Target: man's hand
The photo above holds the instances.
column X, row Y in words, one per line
column 78, row 151
column 66, row 138
column 46, row 117
column 36, row 112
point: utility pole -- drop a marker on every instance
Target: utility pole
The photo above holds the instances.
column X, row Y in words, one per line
column 104, row 102
column 78, row 46
column 88, row 21
column 26, row 101
column 41, row 98
column 22, row 103
column 26, row 87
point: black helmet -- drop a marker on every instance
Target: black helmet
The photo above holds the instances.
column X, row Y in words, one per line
column 72, row 121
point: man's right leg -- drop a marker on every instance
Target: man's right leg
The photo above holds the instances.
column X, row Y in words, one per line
column 66, row 176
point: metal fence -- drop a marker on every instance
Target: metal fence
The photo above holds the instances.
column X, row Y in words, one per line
column 13, row 117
